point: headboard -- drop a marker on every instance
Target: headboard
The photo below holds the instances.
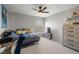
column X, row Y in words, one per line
column 23, row 30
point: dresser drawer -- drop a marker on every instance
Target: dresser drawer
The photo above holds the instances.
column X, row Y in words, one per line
column 77, row 41
column 69, row 40
column 76, row 27
column 72, row 46
column 68, row 36
column 72, row 27
column 69, row 45
column 68, row 31
column 74, row 36
column 69, row 28
column 71, row 31
column 76, row 31
column 71, row 34
column 76, row 47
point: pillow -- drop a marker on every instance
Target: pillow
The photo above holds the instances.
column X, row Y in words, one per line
column 18, row 32
column 23, row 32
column 29, row 30
column 26, row 30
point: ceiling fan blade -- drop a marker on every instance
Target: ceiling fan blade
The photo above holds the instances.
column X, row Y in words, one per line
column 45, row 12
column 40, row 7
column 35, row 9
column 44, row 8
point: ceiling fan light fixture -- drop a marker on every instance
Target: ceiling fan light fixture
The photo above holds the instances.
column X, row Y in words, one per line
column 40, row 14
column 41, row 10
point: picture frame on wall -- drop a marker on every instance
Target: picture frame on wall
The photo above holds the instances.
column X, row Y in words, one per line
column 4, row 17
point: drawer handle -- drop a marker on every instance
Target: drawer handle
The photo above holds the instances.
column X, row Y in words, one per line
column 70, row 31
column 70, row 44
column 71, row 35
column 70, row 40
column 70, row 27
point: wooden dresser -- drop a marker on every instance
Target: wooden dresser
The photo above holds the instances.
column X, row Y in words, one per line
column 71, row 36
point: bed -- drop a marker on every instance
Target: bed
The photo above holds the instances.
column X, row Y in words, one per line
column 29, row 38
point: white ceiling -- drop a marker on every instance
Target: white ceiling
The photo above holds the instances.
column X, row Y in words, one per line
column 26, row 9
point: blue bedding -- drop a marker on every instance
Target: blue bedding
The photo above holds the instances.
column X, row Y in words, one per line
column 30, row 37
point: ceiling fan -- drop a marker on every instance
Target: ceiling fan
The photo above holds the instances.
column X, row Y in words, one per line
column 41, row 9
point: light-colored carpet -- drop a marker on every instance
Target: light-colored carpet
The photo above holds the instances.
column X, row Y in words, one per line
column 46, row 46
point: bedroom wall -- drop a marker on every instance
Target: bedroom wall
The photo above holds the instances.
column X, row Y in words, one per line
column 24, row 21
column 56, row 23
